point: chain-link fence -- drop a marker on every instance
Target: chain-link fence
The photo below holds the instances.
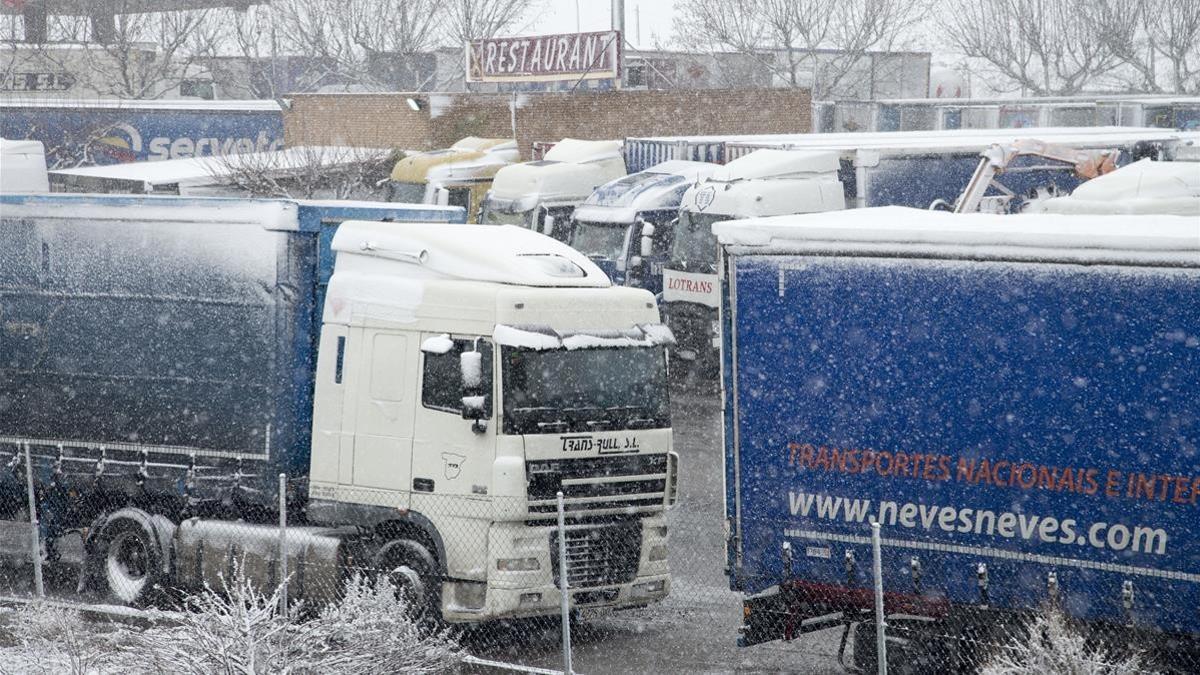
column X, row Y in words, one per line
column 647, row 582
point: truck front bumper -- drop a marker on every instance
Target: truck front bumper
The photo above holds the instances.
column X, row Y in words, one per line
column 614, row 565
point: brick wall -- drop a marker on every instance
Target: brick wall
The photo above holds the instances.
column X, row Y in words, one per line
column 623, row 114
column 387, row 121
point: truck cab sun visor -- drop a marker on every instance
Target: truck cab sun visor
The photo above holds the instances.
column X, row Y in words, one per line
column 540, row 337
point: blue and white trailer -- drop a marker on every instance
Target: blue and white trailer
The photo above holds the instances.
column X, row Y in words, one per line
column 79, row 133
column 1012, row 398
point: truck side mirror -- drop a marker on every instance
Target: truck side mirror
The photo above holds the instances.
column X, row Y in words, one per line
column 647, row 248
column 443, row 197
column 548, row 224
column 474, row 397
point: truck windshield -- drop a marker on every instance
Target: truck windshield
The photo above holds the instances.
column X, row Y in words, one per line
column 600, row 240
column 694, row 248
column 407, row 193
column 492, row 216
column 585, row 390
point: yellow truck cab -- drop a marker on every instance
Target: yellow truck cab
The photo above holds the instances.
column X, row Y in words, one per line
column 460, row 175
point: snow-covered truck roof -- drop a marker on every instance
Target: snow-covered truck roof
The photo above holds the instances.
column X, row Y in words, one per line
column 895, row 231
column 962, row 140
column 1142, row 187
column 659, row 187
column 489, row 253
column 497, row 280
column 210, row 170
column 127, row 104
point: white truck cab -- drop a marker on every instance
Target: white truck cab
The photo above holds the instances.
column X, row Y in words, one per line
column 542, row 195
column 625, row 225
column 467, row 375
column 763, row 183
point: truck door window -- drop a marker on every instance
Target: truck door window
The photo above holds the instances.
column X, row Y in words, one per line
column 461, row 197
column 441, row 379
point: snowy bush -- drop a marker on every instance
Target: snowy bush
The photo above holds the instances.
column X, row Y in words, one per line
column 235, row 630
column 51, row 640
column 1049, row 645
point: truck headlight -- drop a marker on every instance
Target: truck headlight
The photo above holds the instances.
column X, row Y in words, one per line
column 658, row 552
column 649, row 589
column 518, row 564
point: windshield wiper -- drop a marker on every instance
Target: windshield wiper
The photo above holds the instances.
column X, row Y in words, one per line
column 555, row 425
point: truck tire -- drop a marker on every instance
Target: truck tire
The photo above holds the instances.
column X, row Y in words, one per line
column 914, row 654
column 126, row 558
column 413, row 570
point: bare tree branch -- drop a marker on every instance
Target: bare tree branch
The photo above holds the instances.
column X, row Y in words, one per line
column 805, row 43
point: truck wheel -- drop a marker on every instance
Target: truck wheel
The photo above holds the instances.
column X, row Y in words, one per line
column 127, row 558
column 412, row 569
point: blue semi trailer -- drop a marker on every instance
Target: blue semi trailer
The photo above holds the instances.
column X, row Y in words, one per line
column 1015, row 399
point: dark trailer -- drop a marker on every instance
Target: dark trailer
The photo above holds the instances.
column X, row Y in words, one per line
column 162, row 348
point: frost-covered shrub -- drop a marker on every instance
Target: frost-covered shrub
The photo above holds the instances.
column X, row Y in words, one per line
column 241, row 630
column 369, row 632
column 1050, row 645
column 234, row 630
column 52, row 640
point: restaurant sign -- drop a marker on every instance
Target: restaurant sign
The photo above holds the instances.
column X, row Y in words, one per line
column 544, row 58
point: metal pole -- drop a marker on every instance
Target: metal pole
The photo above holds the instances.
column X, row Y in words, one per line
column 283, row 568
column 877, row 569
column 34, row 537
column 562, row 586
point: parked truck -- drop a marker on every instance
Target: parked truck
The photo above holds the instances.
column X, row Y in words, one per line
column 542, row 195
column 920, row 170
column 1011, row 398
column 626, row 224
column 763, row 183
column 165, row 359
column 460, row 175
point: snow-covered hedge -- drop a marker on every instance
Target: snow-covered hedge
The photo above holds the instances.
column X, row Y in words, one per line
column 233, row 630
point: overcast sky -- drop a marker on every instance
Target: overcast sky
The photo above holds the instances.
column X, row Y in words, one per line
column 558, row 16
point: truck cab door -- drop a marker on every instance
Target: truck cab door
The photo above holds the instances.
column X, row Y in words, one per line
column 380, row 391
column 452, row 455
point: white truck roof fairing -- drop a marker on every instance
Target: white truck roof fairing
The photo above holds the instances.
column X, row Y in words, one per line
column 1142, row 187
column 770, row 183
column 485, row 253
column 575, row 150
column 898, row 231
column 765, row 164
column 23, row 166
column 659, row 187
column 477, row 144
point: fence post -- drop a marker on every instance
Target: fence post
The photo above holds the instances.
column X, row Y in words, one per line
column 34, row 536
column 880, row 625
column 283, row 567
column 562, row 586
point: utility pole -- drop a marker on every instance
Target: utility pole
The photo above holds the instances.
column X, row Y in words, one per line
column 618, row 15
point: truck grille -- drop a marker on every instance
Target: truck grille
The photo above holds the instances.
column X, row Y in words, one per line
column 599, row 556
column 626, row 484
